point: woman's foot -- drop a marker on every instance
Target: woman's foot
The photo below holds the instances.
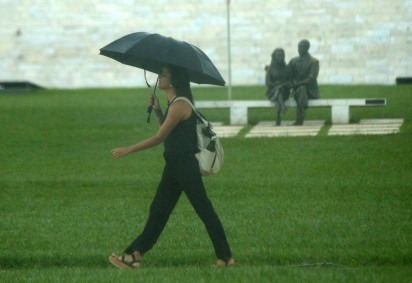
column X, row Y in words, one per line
column 126, row 261
column 222, row 263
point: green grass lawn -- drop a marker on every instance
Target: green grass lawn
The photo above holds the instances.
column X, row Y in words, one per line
column 295, row 209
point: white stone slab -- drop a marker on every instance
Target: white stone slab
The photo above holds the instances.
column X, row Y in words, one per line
column 368, row 127
column 216, row 124
column 269, row 129
column 226, row 131
column 290, row 123
column 381, row 121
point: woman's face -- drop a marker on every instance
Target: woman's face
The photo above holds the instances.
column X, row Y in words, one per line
column 165, row 79
column 279, row 56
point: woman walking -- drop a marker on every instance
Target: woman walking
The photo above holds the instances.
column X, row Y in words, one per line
column 181, row 173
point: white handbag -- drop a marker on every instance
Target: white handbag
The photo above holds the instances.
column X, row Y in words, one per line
column 210, row 155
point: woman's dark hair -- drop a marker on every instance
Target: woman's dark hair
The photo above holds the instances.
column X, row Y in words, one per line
column 180, row 81
column 277, row 50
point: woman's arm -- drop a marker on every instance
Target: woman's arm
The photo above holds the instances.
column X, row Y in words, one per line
column 177, row 112
column 154, row 102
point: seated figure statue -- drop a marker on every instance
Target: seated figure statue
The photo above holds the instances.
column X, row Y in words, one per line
column 278, row 82
column 304, row 71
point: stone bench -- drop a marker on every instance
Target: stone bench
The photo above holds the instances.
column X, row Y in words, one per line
column 339, row 107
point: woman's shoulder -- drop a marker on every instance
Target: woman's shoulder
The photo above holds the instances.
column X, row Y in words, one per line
column 183, row 107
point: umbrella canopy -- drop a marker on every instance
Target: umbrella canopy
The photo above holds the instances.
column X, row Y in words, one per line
column 152, row 51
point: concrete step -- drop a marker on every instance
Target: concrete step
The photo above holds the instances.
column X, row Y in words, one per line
column 286, row 129
column 368, row 127
column 311, row 128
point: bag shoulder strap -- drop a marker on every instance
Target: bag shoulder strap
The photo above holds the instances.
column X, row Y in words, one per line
column 185, row 99
column 199, row 116
column 207, row 126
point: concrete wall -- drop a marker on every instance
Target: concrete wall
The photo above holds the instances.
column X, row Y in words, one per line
column 55, row 43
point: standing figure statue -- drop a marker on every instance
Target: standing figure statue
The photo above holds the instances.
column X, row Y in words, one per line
column 278, row 82
column 304, row 71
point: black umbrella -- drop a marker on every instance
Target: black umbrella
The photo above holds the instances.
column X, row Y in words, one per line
column 152, row 51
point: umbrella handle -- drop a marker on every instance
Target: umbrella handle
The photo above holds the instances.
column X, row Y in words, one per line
column 150, row 107
column 149, row 111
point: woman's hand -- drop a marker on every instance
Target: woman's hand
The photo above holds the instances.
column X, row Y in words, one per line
column 119, row 152
column 154, row 102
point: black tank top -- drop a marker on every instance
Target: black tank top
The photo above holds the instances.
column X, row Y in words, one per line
column 182, row 141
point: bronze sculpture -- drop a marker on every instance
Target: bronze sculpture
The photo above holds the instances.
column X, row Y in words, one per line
column 278, row 82
column 304, row 71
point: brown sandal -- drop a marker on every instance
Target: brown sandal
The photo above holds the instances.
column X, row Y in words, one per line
column 222, row 263
column 120, row 262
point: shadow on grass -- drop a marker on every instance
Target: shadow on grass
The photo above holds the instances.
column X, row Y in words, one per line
column 98, row 261
column 349, row 262
column 52, row 261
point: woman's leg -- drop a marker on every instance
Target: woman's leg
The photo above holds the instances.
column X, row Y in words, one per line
column 162, row 206
column 192, row 184
column 279, row 105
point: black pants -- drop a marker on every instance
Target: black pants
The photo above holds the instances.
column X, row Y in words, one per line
column 181, row 175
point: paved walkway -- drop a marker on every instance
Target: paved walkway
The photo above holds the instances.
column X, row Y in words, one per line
column 368, row 127
column 312, row 128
